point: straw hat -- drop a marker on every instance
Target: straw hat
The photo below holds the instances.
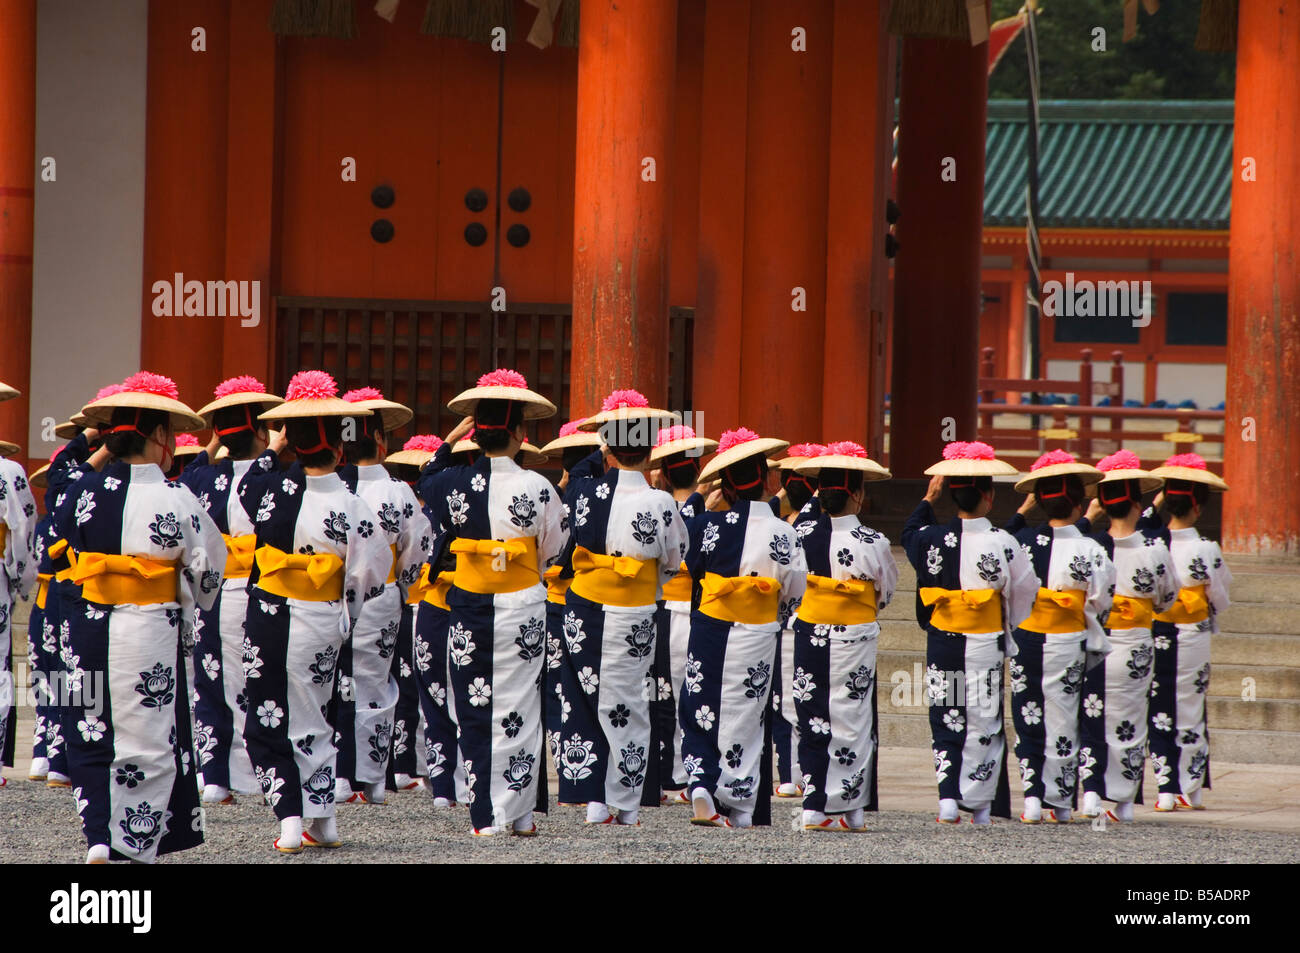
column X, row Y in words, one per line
column 68, row 429
column 39, row 477
column 622, row 406
column 9, row 393
column 313, row 394
column 737, row 445
column 503, row 384
column 8, row 449
column 973, row 459
column 1056, row 463
column 392, row 414
column 681, row 439
column 1124, row 465
column 845, row 455
column 187, row 445
column 796, row 454
column 237, row 391
column 1191, row 468
column 144, row 391
column 533, row 455
column 417, row 451
column 571, row 436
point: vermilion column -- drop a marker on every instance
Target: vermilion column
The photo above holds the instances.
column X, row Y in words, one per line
column 17, row 181
column 626, row 71
column 786, row 195
column 937, row 272
column 1261, row 513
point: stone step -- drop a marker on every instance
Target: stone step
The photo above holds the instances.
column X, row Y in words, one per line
column 1262, row 714
column 1236, row 648
column 1262, row 618
column 1255, row 581
column 1271, row 681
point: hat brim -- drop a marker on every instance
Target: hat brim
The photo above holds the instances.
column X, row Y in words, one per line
column 621, row 414
column 183, row 419
column 39, row 477
column 1144, row 477
column 314, row 407
column 533, row 455
column 972, row 468
column 579, row 439
column 695, row 446
column 265, row 401
column 67, row 430
column 535, row 405
column 870, row 469
column 742, row 451
column 1088, row 475
column 1191, row 475
column 8, row 449
column 187, row 451
column 391, row 413
column 9, row 393
column 414, row 458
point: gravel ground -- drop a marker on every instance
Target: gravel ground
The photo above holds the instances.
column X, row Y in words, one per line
column 39, row 825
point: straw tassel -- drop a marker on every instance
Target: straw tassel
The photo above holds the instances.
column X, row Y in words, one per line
column 467, row 19
column 1217, row 32
column 937, row 18
column 333, row 18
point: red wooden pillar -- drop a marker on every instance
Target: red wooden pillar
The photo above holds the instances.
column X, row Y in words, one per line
column 786, row 195
column 17, row 182
column 626, row 77
column 937, row 272
column 1261, row 513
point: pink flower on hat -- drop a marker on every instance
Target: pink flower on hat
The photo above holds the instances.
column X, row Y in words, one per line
column 624, row 398
column 502, row 377
column 186, row 440
column 311, row 385
column 571, row 427
column 145, row 382
column 109, row 391
column 423, row 441
column 1193, row 461
column 732, row 438
column 963, row 450
column 362, row 393
column 675, row 432
column 243, row 384
column 846, row 448
column 1120, row 460
column 806, row 450
column 1051, row 458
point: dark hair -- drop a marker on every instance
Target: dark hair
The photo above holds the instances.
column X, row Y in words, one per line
column 406, row 472
column 572, row 456
column 681, row 471
column 494, row 421
column 1064, row 493
column 630, row 441
column 967, row 492
column 836, row 485
column 130, row 443
column 1180, row 494
column 1123, row 496
column 745, row 479
column 311, row 432
column 799, row 487
column 239, row 442
column 363, row 447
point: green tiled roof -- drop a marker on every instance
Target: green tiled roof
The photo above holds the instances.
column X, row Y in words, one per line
column 1111, row 164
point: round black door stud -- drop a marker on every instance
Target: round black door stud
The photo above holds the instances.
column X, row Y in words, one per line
column 518, row 235
column 519, row 199
column 476, row 200
column 475, row 234
column 382, row 196
column 381, row 230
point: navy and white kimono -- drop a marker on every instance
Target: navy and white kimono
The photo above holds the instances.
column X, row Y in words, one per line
column 497, row 640
column 130, row 748
column 18, row 517
column 964, row 668
column 673, row 632
column 1047, row 668
column 607, row 658
column 724, row 704
column 368, row 691
column 220, row 706
column 292, row 649
column 785, row 724
column 1113, row 733
column 834, row 685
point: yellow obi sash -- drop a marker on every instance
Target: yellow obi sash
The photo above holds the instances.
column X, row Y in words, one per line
column 829, row 601
column 678, row 588
column 1129, row 612
column 240, row 551
column 112, row 579
column 556, row 588
column 753, row 600
column 1189, row 608
column 317, row 578
column 437, row 594
column 614, row 580
column 1057, row 612
column 4, row 536
column 392, row 572
column 42, row 587
column 973, row 611
column 417, row 590
column 57, row 549
column 489, row 566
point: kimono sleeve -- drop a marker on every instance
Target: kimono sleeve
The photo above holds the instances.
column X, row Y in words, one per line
column 921, row 517
column 793, row 576
column 425, row 484
column 368, row 560
column 887, row 578
column 551, row 534
column 203, row 562
column 1016, row 524
column 20, row 560
column 677, row 543
column 1216, row 589
column 1166, row 586
column 1021, row 586
column 414, row 539
column 1101, row 584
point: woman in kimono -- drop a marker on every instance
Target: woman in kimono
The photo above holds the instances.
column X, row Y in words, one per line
column 626, row 540
column 1113, row 733
column 1075, row 583
column 851, row 577
column 1180, row 743
column 20, row 565
column 677, row 456
column 368, row 692
column 42, row 646
column 974, row 585
column 220, row 645
column 502, row 524
column 751, row 572
column 317, row 561
column 145, row 556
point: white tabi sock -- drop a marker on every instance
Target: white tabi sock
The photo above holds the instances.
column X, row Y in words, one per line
column 947, row 809
column 55, row 776
column 375, row 793
column 324, row 830
column 813, row 818
column 524, row 823
column 441, row 802
column 39, row 769
column 856, row 817
column 1195, row 797
column 342, row 790
column 1063, row 815
column 742, row 818
column 291, row 832
column 1033, row 809
column 1124, row 810
column 1091, row 804
column 98, row 854
column 629, row 818
column 597, row 812
column 702, row 794
column 214, row 793
column 980, row 816
column 1165, row 802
